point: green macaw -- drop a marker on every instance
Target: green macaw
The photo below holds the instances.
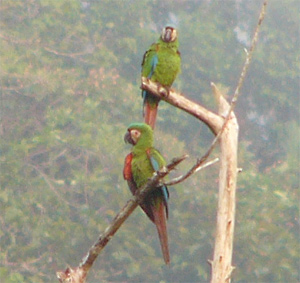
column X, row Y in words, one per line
column 140, row 164
column 161, row 64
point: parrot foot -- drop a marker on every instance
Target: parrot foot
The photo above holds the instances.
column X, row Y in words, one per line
column 163, row 91
column 162, row 171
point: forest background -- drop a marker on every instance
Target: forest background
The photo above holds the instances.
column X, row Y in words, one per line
column 70, row 86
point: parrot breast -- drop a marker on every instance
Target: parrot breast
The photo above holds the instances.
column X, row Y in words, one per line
column 168, row 66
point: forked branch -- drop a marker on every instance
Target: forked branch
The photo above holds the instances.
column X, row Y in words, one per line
column 225, row 127
column 79, row 273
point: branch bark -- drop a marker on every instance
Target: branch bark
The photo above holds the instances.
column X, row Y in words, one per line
column 197, row 167
column 225, row 127
column 226, row 131
column 221, row 264
column 79, row 273
column 212, row 120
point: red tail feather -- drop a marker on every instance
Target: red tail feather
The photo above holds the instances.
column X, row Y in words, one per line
column 160, row 220
column 150, row 113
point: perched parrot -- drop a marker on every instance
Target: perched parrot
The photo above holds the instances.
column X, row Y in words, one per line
column 161, row 64
column 140, row 164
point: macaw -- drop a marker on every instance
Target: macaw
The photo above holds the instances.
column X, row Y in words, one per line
column 140, row 164
column 161, row 64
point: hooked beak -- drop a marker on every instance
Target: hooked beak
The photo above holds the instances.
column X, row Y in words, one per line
column 169, row 34
column 128, row 139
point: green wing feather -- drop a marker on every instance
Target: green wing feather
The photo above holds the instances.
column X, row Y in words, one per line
column 139, row 166
column 161, row 64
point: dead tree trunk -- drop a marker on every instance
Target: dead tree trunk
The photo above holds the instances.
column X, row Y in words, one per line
column 226, row 130
column 225, row 127
column 221, row 264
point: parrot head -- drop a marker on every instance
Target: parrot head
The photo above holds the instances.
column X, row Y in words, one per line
column 139, row 134
column 169, row 34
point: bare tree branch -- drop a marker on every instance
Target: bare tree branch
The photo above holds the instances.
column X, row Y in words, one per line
column 11, row 39
column 212, row 120
column 47, row 180
column 227, row 131
column 225, row 127
column 221, row 264
column 197, row 167
column 79, row 274
column 70, row 55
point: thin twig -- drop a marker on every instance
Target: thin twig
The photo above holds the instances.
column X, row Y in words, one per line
column 49, row 183
column 240, row 83
column 222, row 259
column 197, row 167
column 79, row 274
column 249, row 55
column 178, row 100
column 70, row 55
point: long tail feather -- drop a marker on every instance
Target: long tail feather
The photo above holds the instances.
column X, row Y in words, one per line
column 150, row 113
column 160, row 220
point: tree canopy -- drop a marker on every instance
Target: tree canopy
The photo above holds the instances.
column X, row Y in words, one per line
column 70, row 86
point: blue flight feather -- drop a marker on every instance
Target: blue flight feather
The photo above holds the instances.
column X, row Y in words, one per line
column 154, row 62
column 154, row 163
column 155, row 166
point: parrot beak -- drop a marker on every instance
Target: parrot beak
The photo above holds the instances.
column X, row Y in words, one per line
column 169, row 34
column 128, row 139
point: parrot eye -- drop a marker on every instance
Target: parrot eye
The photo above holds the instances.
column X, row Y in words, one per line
column 135, row 134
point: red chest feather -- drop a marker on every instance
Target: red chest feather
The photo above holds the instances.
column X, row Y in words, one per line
column 127, row 167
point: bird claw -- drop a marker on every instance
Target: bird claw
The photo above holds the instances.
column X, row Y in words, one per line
column 162, row 171
column 163, row 91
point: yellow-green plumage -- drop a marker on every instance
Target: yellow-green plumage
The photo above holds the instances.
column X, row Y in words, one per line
column 139, row 166
column 168, row 62
column 161, row 64
column 142, row 168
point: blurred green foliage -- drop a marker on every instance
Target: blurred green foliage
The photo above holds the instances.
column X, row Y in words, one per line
column 70, row 76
